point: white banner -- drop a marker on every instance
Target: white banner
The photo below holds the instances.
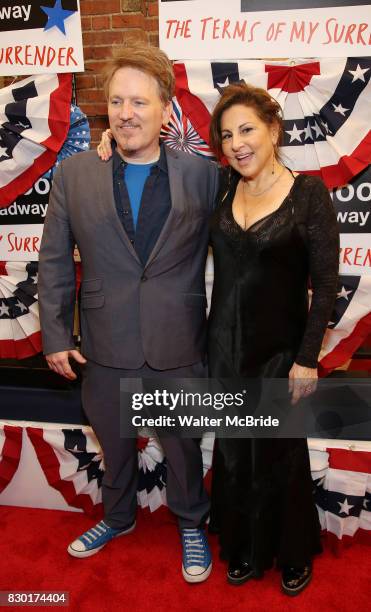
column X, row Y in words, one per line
column 355, row 254
column 40, row 36
column 221, row 29
column 20, row 242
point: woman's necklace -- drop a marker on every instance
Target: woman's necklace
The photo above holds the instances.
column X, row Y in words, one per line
column 259, row 193
column 245, row 213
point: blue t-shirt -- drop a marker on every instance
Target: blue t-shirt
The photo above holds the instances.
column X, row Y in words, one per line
column 135, row 177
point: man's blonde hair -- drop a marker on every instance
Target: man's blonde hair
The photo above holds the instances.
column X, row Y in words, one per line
column 150, row 60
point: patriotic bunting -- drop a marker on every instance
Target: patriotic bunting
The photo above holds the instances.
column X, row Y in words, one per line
column 20, row 334
column 180, row 134
column 34, row 122
column 152, row 475
column 72, row 463
column 152, row 470
column 350, row 322
column 343, row 494
column 10, row 453
column 325, row 108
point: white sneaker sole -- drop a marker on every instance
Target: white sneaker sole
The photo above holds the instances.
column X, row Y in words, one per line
column 82, row 554
column 198, row 577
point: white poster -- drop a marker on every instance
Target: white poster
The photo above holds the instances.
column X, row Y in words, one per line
column 226, row 29
column 40, row 36
column 355, row 254
column 20, row 243
column 22, row 223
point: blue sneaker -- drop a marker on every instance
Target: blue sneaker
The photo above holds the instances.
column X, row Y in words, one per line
column 90, row 542
column 196, row 555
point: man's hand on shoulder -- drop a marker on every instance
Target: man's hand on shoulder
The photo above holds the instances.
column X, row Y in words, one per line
column 60, row 363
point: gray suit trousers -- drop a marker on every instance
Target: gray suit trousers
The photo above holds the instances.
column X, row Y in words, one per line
column 186, row 496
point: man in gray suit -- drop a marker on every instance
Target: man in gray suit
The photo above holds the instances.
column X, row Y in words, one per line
column 140, row 224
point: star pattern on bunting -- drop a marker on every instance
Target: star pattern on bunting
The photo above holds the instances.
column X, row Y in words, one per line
column 21, row 306
column 4, row 309
column 25, row 126
column 12, row 308
column 345, row 507
column 317, row 129
column 295, row 133
column 308, row 132
column 343, row 293
column 23, row 297
column 340, row 109
column 347, row 289
column 91, row 463
column 3, row 151
column 358, row 73
column 325, row 125
column 222, row 85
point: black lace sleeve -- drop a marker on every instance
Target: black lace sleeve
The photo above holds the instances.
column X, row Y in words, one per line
column 323, row 246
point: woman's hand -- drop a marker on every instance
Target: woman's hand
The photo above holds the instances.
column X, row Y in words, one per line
column 302, row 382
column 104, row 149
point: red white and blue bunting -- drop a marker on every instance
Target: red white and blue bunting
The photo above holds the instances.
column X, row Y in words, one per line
column 325, row 107
column 35, row 119
column 20, row 334
column 10, row 453
column 72, row 463
column 343, row 494
column 180, row 134
column 350, row 322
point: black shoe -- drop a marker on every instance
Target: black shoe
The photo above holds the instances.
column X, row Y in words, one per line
column 239, row 572
column 295, row 579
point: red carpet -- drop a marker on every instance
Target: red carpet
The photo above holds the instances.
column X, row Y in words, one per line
column 33, row 557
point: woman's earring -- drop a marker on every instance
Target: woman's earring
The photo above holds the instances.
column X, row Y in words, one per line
column 273, row 164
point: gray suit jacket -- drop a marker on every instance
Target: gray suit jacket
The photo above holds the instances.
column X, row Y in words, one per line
column 129, row 313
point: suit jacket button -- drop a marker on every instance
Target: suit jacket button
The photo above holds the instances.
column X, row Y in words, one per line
column 143, row 278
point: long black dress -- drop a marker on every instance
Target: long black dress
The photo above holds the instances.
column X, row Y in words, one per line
column 262, row 501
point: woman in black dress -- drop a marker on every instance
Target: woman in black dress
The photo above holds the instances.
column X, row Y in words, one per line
column 271, row 232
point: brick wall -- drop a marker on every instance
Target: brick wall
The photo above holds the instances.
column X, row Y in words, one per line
column 106, row 24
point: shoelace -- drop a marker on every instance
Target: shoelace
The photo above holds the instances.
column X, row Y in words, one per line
column 195, row 549
column 95, row 532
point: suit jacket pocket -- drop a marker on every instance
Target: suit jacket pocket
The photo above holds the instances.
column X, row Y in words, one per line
column 92, row 301
column 91, row 284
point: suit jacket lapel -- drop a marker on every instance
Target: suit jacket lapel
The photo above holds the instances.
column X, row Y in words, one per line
column 177, row 201
column 107, row 200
